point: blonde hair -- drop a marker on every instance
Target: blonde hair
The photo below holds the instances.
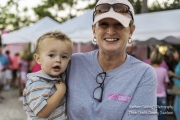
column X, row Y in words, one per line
column 53, row 34
column 156, row 57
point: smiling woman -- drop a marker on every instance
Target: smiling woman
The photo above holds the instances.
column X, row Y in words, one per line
column 108, row 77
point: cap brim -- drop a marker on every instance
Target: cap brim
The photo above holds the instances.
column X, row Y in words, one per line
column 124, row 20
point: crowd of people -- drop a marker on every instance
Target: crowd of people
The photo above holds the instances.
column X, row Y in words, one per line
column 13, row 71
column 168, row 75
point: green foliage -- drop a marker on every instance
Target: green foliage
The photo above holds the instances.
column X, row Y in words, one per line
column 53, row 8
column 137, row 5
column 156, row 6
column 56, row 6
column 12, row 20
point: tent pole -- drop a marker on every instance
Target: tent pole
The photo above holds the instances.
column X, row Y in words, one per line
column 79, row 47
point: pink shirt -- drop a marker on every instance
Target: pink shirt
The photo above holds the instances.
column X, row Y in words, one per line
column 15, row 62
column 24, row 65
column 162, row 77
column 36, row 67
column 163, row 64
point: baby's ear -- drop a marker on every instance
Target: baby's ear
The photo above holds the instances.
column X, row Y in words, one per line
column 37, row 58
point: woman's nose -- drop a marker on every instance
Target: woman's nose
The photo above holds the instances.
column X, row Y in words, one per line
column 111, row 30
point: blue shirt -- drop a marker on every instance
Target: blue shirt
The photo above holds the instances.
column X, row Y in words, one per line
column 177, row 71
column 4, row 60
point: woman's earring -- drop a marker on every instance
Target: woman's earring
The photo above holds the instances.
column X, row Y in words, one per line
column 94, row 39
column 130, row 41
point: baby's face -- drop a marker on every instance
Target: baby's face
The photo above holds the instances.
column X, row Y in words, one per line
column 54, row 56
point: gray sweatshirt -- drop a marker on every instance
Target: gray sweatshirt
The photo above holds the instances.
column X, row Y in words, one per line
column 129, row 90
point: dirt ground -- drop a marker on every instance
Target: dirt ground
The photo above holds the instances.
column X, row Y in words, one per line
column 12, row 108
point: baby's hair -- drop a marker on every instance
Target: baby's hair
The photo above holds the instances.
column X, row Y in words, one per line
column 52, row 34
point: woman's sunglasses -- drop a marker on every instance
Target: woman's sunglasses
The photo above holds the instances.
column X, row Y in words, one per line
column 98, row 91
column 117, row 7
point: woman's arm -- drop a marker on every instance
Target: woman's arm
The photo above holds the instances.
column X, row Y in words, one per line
column 144, row 98
column 53, row 101
column 172, row 74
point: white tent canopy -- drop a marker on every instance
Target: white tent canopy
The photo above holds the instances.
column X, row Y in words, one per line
column 25, row 35
column 158, row 27
column 151, row 28
column 78, row 29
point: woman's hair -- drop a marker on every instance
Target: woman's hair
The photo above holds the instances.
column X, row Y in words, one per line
column 53, row 34
column 176, row 50
column 156, row 57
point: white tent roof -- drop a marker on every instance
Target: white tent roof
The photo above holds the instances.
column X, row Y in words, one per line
column 151, row 28
column 25, row 35
column 157, row 26
column 79, row 29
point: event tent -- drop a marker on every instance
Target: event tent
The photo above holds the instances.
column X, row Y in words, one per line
column 151, row 28
column 79, row 29
column 25, row 35
column 158, row 27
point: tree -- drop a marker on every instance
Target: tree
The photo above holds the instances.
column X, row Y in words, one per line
column 144, row 8
column 12, row 20
column 156, row 6
column 137, row 6
column 53, row 9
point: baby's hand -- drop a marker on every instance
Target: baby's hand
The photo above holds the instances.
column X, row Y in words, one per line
column 60, row 87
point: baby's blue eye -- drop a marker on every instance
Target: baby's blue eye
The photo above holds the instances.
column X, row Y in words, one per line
column 64, row 57
column 51, row 55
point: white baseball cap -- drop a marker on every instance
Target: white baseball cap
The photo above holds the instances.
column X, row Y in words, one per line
column 123, row 18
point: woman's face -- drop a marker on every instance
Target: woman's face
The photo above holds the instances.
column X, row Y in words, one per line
column 111, row 36
column 176, row 55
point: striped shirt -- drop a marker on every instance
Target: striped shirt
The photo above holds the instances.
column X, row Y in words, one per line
column 38, row 89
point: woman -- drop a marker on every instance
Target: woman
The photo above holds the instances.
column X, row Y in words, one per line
column 23, row 70
column 162, row 80
column 108, row 84
column 176, row 55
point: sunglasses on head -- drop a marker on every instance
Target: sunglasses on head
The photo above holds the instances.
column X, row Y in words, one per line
column 117, row 7
column 98, row 91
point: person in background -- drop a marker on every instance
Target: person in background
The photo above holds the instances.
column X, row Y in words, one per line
column 1, row 84
column 15, row 65
column 46, row 87
column 34, row 66
column 4, row 62
column 8, row 71
column 176, row 81
column 171, row 62
column 23, row 70
column 162, row 78
column 163, row 63
column 107, row 83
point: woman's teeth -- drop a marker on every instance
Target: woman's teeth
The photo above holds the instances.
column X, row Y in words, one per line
column 112, row 39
